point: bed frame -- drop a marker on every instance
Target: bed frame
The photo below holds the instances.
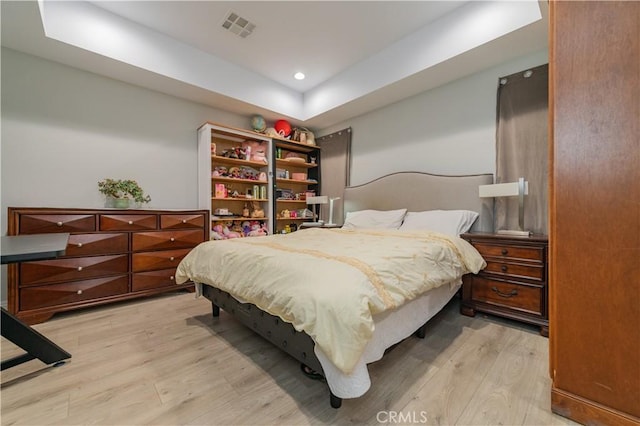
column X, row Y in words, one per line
column 412, row 190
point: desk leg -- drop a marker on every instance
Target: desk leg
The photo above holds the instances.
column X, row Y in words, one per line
column 34, row 343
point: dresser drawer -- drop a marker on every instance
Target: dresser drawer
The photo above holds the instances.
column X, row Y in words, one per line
column 160, row 240
column 92, row 244
column 128, row 222
column 72, row 269
column 535, row 254
column 181, row 221
column 50, row 223
column 530, row 271
column 72, row 292
column 507, row 294
column 153, row 279
column 154, row 260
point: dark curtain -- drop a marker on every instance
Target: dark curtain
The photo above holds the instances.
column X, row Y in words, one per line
column 334, row 170
column 521, row 147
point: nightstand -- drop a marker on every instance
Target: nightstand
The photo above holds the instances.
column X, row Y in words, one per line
column 514, row 283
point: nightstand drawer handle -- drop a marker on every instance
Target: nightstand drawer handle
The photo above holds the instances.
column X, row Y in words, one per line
column 505, row 252
column 513, row 292
column 79, row 245
column 184, row 221
column 59, row 224
column 172, row 239
column 504, row 268
column 130, row 222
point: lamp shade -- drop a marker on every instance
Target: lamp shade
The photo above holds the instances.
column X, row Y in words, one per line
column 511, row 189
column 320, row 199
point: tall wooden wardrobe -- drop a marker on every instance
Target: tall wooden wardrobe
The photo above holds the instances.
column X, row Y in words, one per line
column 594, row 75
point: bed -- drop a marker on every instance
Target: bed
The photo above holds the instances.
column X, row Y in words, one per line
column 337, row 299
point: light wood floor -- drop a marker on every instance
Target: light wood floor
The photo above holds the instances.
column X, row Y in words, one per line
column 165, row 360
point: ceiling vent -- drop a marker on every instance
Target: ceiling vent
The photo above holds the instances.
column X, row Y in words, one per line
column 238, row 25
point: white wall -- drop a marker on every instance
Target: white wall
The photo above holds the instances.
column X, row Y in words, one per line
column 447, row 130
column 64, row 129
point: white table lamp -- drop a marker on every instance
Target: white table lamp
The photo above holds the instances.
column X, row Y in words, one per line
column 331, row 200
column 512, row 189
column 314, row 201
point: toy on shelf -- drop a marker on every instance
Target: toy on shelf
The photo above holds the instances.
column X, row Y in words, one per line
column 256, row 210
column 283, row 128
column 255, row 151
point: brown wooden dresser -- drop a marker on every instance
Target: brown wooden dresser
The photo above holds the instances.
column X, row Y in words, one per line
column 112, row 255
column 514, row 283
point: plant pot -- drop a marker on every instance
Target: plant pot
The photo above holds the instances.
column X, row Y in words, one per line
column 118, row 203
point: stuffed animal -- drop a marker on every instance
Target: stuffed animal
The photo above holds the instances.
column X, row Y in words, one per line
column 237, row 228
column 258, row 150
column 256, row 211
column 246, row 228
column 229, row 234
column 216, row 233
column 257, row 231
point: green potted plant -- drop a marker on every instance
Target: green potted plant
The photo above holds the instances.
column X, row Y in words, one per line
column 121, row 193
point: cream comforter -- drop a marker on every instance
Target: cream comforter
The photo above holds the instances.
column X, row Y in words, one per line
column 330, row 282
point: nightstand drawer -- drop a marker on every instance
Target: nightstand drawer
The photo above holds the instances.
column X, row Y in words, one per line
column 507, row 294
column 532, row 272
column 512, row 251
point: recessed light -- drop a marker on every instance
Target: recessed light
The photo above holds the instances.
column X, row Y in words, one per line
column 298, row 76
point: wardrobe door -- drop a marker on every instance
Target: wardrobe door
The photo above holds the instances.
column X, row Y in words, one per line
column 595, row 211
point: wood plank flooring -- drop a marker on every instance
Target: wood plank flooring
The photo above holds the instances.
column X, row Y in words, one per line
column 166, row 361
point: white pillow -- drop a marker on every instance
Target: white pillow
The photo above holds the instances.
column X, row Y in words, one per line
column 450, row 222
column 374, row 219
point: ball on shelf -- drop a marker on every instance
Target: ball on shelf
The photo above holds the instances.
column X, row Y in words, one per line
column 283, row 128
column 258, row 124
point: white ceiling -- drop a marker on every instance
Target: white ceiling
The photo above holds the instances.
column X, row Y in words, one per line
column 357, row 55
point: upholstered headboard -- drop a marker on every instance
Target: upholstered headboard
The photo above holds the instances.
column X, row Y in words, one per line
column 423, row 191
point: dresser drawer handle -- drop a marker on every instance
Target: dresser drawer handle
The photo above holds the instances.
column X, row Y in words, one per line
column 130, row 222
column 512, row 293
column 172, row 258
column 79, row 268
column 59, row 224
column 79, row 292
column 171, row 278
column 79, row 245
column 505, row 252
column 184, row 220
column 172, row 239
column 504, row 268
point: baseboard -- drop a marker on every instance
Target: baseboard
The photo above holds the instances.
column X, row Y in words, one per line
column 588, row 412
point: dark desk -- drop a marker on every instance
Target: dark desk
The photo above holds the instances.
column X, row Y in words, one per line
column 23, row 248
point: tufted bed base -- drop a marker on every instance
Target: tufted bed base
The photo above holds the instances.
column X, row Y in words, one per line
column 411, row 190
column 282, row 334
